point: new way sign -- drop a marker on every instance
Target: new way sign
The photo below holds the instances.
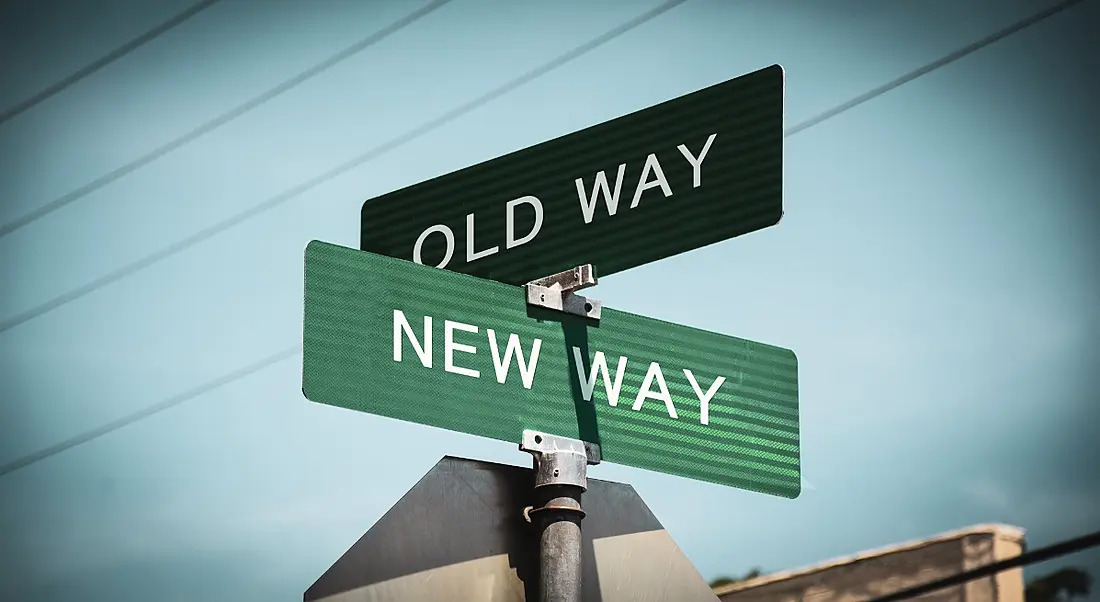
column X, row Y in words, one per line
column 390, row 337
column 677, row 176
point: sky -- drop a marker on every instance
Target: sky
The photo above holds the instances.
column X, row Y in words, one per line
column 935, row 271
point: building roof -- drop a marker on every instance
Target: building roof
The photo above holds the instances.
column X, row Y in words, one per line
column 999, row 531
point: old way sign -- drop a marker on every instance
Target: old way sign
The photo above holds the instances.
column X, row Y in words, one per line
column 393, row 338
column 677, row 176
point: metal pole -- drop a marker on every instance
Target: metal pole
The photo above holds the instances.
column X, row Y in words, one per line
column 561, row 467
column 561, row 463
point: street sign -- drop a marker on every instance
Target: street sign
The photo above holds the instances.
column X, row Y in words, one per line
column 458, row 534
column 677, row 176
column 393, row 338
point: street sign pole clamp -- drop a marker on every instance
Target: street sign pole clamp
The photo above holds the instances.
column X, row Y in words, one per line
column 558, row 292
column 561, row 476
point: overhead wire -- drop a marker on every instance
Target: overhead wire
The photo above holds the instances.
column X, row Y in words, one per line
column 220, row 120
column 295, row 349
column 103, row 61
column 945, row 60
column 283, row 197
column 148, row 411
column 321, row 178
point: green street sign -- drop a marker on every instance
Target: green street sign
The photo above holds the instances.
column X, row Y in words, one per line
column 680, row 175
column 445, row 349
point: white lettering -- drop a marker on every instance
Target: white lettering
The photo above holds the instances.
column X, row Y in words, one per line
column 526, row 372
column 599, row 365
column 654, row 374
column 696, row 162
column 401, row 324
column 472, row 255
column 446, row 232
column 450, row 346
column 588, row 207
column 510, row 221
column 651, row 164
column 704, row 398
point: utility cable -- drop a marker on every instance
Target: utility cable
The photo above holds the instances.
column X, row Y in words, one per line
column 1042, row 554
column 930, row 67
column 315, row 181
column 103, row 61
column 228, row 378
column 148, row 411
column 218, row 121
column 293, row 192
column 291, row 351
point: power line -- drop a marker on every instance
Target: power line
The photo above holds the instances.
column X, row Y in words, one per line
column 148, row 411
column 323, row 177
column 218, row 121
column 107, row 59
column 946, row 60
column 291, row 351
column 1053, row 551
column 226, row 379
column 293, row 192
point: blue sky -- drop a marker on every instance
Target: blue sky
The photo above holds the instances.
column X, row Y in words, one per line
column 935, row 272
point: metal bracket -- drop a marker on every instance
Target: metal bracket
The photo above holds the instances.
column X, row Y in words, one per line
column 561, row 467
column 560, row 460
column 558, row 292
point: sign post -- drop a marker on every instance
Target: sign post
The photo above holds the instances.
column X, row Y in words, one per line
column 386, row 332
column 561, row 466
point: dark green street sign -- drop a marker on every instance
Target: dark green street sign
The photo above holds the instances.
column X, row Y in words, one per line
column 677, row 176
column 390, row 337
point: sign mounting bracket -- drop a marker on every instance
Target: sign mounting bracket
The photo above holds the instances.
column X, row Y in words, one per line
column 558, row 292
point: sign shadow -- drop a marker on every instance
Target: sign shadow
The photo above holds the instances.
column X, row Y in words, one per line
column 575, row 328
